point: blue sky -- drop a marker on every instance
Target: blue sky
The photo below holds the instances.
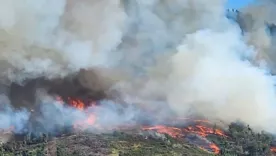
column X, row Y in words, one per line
column 238, row 3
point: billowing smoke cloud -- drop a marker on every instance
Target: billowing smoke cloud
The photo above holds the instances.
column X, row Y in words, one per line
column 181, row 54
column 219, row 83
column 11, row 117
column 258, row 23
column 55, row 38
column 213, row 71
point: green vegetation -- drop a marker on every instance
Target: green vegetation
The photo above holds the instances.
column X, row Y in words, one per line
column 243, row 141
column 116, row 144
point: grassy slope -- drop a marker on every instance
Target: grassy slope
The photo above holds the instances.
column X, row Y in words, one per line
column 116, row 144
column 241, row 140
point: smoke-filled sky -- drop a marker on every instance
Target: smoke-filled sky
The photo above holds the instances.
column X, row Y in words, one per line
column 238, row 3
column 184, row 53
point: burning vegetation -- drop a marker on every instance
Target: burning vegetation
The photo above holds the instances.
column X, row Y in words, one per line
column 196, row 134
column 212, row 138
column 117, row 75
column 189, row 133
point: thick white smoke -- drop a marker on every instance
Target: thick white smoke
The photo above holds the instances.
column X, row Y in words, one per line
column 184, row 53
column 55, row 38
column 209, row 72
column 219, row 83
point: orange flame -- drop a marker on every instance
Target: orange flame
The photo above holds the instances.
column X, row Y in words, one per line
column 198, row 129
column 215, row 148
column 273, row 149
column 172, row 131
column 89, row 122
column 204, row 131
column 73, row 102
column 76, row 103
